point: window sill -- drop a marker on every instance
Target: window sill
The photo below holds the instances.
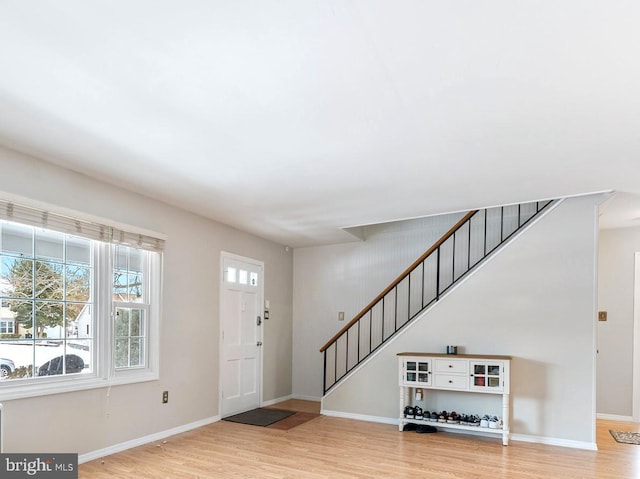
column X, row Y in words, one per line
column 9, row 392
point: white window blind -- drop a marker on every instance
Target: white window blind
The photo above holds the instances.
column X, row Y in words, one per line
column 12, row 211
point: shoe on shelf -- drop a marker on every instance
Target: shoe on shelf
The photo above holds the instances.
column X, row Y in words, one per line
column 464, row 420
column 495, row 423
column 434, row 417
column 484, row 422
column 442, row 417
column 409, row 412
column 474, row 420
column 417, row 412
column 453, row 418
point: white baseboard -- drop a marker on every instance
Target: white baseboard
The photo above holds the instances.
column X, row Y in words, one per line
column 360, row 417
column 515, row 437
column 271, row 402
column 123, row 446
column 306, row 398
column 615, row 417
column 552, row 441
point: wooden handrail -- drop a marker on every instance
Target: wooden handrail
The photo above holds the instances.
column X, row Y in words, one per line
column 395, row 283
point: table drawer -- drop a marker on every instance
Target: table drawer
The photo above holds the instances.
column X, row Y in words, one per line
column 452, row 366
column 452, row 381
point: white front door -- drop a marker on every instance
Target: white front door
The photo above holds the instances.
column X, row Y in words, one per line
column 241, row 334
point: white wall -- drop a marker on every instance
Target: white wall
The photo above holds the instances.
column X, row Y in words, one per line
column 92, row 420
column 615, row 336
column 534, row 301
column 346, row 277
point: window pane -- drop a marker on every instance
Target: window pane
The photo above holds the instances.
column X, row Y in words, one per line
column 137, row 323
column 231, row 275
column 242, row 277
column 122, row 353
column 18, row 359
column 78, row 250
column 253, row 279
column 135, row 260
column 79, row 320
column 49, row 244
column 16, row 239
column 130, row 342
column 120, row 257
column 78, row 283
column 22, row 313
column 137, row 352
column 128, row 279
column 49, row 319
column 44, row 352
column 5, row 267
column 122, row 323
column 17, row 277
column 135, row 287
column 120, row 286
column 49, row 282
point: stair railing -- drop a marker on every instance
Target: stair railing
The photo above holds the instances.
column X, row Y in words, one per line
column 477, row 235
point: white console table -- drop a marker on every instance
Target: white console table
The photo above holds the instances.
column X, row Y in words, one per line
column 483, row 374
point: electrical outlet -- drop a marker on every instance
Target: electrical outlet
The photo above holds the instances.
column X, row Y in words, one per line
column 165, row 397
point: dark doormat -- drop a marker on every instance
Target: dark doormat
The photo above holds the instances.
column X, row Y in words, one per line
column 626, row 437
column 260, row 417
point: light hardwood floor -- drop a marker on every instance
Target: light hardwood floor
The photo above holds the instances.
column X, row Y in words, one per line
column 328, row 447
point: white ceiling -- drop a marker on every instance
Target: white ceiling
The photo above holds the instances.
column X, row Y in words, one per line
column 294, row 119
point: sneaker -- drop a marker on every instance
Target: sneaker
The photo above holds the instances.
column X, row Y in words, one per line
column 474, row 420
column 453, row 418
column 464, row 420
column 442, row 417
column 417, row 412
column 484, row 422
column 434, row 417
column 495, row 422
column 409, row 412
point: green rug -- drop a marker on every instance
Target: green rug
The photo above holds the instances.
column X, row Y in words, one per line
column 626, row 437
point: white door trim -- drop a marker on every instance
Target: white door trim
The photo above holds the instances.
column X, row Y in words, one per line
column 226, row 255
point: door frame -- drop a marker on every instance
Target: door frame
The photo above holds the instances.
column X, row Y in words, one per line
column 227, row 255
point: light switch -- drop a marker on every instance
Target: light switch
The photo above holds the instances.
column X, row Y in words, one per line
column 340, row 315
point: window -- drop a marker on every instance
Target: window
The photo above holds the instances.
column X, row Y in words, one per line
column 76, row 312
column 6, row 327
column 47, row 279
column 131, row 307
